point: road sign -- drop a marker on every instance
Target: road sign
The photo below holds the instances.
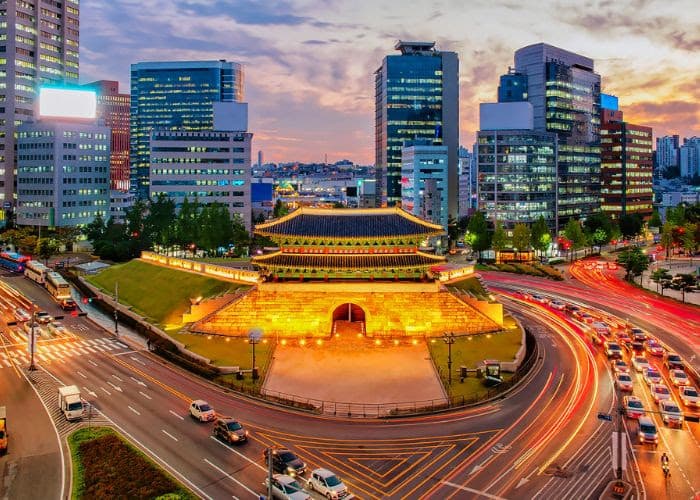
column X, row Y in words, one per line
column 605, row 416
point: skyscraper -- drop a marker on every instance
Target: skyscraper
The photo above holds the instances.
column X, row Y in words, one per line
column 416, row 97
column 690, row 157
column 626, row 166
column 175, row 95
column 667, row 151
column 39, row 45
column 424, row 180
column 113, row 109
column 564, row 91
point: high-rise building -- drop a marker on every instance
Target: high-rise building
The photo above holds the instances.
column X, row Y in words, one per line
column 564, row 91
column 63, row 162
column 416, row 97
column 175, row 95
column 465, row 175
column 113, row 108
column 423, row 162
column 667, row 151
column 690, row 157
column 39, row 45
column 260, row 158
column 516, row 166
column 512, row 87
column 626, row 158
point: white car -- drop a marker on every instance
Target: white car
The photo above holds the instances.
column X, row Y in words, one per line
column 328, row 484
column 286, row 488
column 671, row 413
column 624, row 382
column 633, row 407
column 689, row 395
column 43, row 317
column 679, row 378
column 201, row 410
column 58, row 329
column 652, row 376
column 557, row 304
column 660, row 393
column 620, row 366
column 640, row 363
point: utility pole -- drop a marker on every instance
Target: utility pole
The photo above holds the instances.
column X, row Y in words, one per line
column 32, row 340
column 269, row 473
column 449, row 339
column 116, row 314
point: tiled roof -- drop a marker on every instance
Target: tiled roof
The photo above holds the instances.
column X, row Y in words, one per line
column 347, row 261
column 349, row 223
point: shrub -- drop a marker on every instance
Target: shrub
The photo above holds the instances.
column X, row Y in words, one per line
column 507, row 268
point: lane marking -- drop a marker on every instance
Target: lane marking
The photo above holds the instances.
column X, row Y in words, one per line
column 137, row 381
column 232, row 478
column 169, row 435
column 240, row 454
column 178, row 416
column 81, row 374
column 92, row 362
column 472, row 490
column 115, row 387
column 145, row 395
column 108, row 393
column 135, row 411
column 120, row 380
column 134, row 358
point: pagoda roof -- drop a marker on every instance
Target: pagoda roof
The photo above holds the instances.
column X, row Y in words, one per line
column 347, row 261
column 365, row 223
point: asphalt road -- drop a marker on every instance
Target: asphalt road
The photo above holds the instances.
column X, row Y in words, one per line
column 508, row 447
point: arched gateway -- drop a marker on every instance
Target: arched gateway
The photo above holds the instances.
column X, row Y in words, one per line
column 348, row 319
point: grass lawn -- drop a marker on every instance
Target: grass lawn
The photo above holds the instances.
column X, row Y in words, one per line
column 106, row 466
column 469, row 351
column 156, row 292
column 226, row 351
column 471, row 285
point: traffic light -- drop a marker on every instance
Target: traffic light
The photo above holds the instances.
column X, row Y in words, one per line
column 85, row 300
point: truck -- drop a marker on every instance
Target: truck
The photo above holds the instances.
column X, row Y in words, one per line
column 3, row 431
column 69, row 402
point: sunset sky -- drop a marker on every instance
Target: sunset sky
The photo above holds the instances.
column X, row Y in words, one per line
column 309, row 64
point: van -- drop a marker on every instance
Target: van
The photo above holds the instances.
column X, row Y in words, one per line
column 647, row 431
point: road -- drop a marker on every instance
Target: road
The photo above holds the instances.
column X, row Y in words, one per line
column 509, row 447
column 676, row 325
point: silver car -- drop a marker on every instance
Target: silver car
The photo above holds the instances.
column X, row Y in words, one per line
column 286, row 488
column 670, row 413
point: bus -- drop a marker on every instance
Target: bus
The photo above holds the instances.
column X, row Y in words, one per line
column 14, row 261
column 57, row 286
column 36, row 271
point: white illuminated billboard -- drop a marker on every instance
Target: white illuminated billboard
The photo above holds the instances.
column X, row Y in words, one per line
column 67, row 103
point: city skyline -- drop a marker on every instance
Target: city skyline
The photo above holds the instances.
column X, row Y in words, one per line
column 309, row 65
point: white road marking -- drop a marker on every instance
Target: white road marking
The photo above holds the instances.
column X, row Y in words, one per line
column 240, row 454
column 169, row 435
column 138, row 381
column 92, row 362
column 125, row 352
column 145, row 395
column 108, row 393
column 472, row 490
column 178, row 416
column 115, row 387
column 137, row 360
column 134, row 410
column 81, row 374
column 91, row 393
column 232, row 478
column 120, row 380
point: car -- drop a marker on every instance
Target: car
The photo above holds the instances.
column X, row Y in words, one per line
column 540, row 298
column 230, row 430
column 587, row 318
column 673, row 361
column 679, row 378
column 619, row 366
column 670, row 413
column 639, row 363
column 689, row 396
column 646, row 431
column 201, row 410
column 637, row 334
column 654, row 348
column 328, row 484
column 623, row 381
column 68, row 305
column 525, row 294
column 22, row 315
column 286, row 488
column 612, row 350
column 572, row 308
column 652, row 376
column 56, row 328
column 659, row 392
column 43, row 317
column 557, row 305
column 633, row 407
column 635, row 347
column 624, row 338
column 285, row 462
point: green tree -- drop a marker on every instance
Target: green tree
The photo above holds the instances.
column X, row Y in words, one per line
column 522, row 237
column 634, row 260
column 67, row 236
column 280, row 209
column 187, row 225
column 630, row 225
column 46, row 248
column 598, row 228
column 499, row 240
column 575, row 235
column 452, row 230
column 158, row 223
column 478, row 236
column 655, row 220
column 95, row 230
column 541, row 237
column 688, row 239
column 667, row 237
column 658, row 276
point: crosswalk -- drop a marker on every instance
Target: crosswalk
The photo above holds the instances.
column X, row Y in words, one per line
column 59, row 352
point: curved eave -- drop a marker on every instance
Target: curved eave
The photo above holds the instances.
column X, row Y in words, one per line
column 265, row 261
column 421, row 236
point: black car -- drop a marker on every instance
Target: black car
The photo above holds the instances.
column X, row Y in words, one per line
column 230, row 430
column 673, row 361
column 285, row 462
column 635, row 347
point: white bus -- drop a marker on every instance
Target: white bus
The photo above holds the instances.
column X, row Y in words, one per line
column 36, row 271
column 57, row 286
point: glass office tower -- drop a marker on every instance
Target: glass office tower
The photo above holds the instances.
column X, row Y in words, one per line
column 176, row 95
column 416, row 97
column 565, row 94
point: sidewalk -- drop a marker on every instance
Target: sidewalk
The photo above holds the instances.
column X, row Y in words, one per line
column 674, row 267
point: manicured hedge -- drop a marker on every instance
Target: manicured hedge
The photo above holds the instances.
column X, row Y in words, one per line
column 106, row 466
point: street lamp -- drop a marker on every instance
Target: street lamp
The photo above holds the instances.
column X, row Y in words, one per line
column 32, row 340
column 116, row 304
column 254, row 337
column 449, row 339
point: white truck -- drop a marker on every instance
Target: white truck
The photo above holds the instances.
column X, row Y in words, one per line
column 69, row 402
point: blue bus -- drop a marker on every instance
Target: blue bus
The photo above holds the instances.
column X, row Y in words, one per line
column 14, row 261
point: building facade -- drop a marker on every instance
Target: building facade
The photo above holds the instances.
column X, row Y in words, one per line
column 113, row 109
column 512, row 87
column 627, row 165
column 564, row 91
column 667, row 151
column 424, row 181
column 466, row 176
column 689, row 155
column 416, row 97
column 62, row 173
column 40, row 45
column 211, row 166
column 516, row 166
column 177, row 95
column 119, row 203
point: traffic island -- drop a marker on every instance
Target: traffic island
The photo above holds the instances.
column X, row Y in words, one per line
column 106, row 466
column 617, row 489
